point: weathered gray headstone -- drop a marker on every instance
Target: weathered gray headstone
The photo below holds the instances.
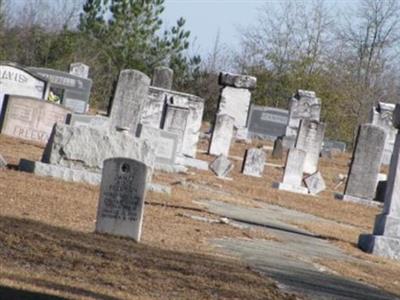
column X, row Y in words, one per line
column 304, row 105
column 176, row 118
column 309, row 139
column 315, row 183
column 122, row 192
column 365, row 165
column 129, row 99
column 31, row 119
column 293, row 174
column 163, row 78
column 382, row 116
column 222, row 134
column 237, row 80
column 277, row 151
column 79, row 69
column 221, row 166
column 253, row 163
column 85, row 148
column 267, row 122
column 334, row 145
column 155, row 109
column 3, row 162
column 235, row 103
column 21, row 82
column 385, row 240
column 76, row 90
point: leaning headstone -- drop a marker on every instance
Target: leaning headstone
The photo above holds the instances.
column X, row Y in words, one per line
column 309, row 139
column 79, row 69
column 129, row 99
column 222, row 134
column 385, row 240
column 365, row 165
column 253, row 163
column 31, row 119
column 382, row 116
column 315, row 183
column 304, row 105
column 267, row 122
column 163, row 78
column 122, row 193
column 221, row 166
column 277, row 151
column 293, row 174
column 3, row 162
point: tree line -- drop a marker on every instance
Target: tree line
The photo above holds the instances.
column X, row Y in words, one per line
column 349, row 57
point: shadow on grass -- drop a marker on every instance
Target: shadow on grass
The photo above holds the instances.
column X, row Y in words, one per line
column 16, row 294
column 102, row 266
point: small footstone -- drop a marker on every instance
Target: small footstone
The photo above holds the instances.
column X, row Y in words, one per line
column 315, row 183
column 122, row 192
column 277, row 152
column 221, row 166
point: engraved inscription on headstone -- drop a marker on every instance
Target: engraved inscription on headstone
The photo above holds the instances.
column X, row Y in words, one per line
column 267, row 122
column 121, row 205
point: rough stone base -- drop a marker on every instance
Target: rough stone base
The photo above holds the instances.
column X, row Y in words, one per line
column 380, row 245
column 292, row 188
column 359, row 200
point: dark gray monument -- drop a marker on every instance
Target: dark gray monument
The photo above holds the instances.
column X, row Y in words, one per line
column 365, row 165
column 121, row 204
column 267, row 122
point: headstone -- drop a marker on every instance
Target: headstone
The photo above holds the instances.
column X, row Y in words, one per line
column 382, row 116
column 87, row 120
column 3, row 162
column 237, row 80
column 293, row 174
column 163, row 78
column 304, row 105
column 21, row 82
column 79, row 69
column 309, row 139
column 235, row 103
column 277, row 151
column 338, row 146
column 122, row 193
column 315, row 183
column 129, row 99
column 176, row 118
column 222, row 134
column 165, row 143
column 221, row 166
column 267, row 122
column 31, row 119
column 74, row 90
column 385, row 240
column 365, row 165
column 85, row 148
column 253, row 163
column 155, row 109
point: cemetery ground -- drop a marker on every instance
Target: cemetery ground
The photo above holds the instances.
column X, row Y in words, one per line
column 47, row 244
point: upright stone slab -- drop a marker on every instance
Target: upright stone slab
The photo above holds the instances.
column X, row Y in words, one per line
column 304, row 105
column 129, row 99
column 385, row 240
column 293, row 174
column 365, row 165
column 79, row 69
column 31, row 119
column 235, row 103
column 382, row 116
column 222, row 134
column 309, row 139
column 122, row 193
column 176, row 119
column 267, row 123
column 253, row 163
column 277, row 151
column 163, row 78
